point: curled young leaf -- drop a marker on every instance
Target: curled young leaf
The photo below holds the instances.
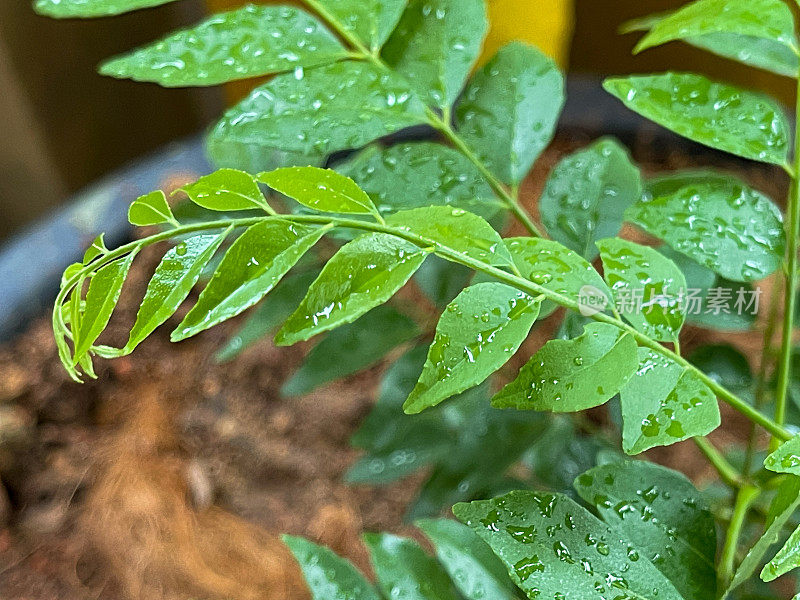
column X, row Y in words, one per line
column 150, row 209
column 224, row 190
column 63, row 9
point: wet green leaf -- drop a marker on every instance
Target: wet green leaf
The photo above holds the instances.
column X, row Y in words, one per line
column 554, row 548
column 787, row 558
column 351, row 348
column 725, row 365
column 320, row 189
column 716, row 220
column 573, row 375
column 225, row 190
column 174, row 278
column 665, row 403
column 436, row 45
column 151, row 209
column 510, row 110
column 63, row 9
column 441, row 281
column 586, row 196
column 404, row 570
column 364, row 274
column 649, row 289
column 477, row 334
column 329, row 577
column 244, row 43
column 786, row 459
column 718, row 115
column 250, row 269
column 371, row 21
column 666, row 515
column 475, row 570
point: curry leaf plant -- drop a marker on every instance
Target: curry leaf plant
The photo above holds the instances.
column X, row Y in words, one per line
column 347, row 75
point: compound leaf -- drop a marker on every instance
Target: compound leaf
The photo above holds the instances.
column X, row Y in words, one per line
column 226, row 190
column 371, row 21
column 786, row 459
column 64, row 9
column 150, row 209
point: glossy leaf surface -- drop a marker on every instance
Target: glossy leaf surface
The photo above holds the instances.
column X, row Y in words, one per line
column 787, row 558
column 225, row 190
column 371, row 21
column 150, row 209
column 62, row 9
column 786, row 459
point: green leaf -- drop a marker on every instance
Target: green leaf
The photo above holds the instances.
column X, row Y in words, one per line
column 441, row 281
column 573, row 375
column 175, row 276
column 334, row 107
column 787, row 558
column 475, row 570
column 70, row 272
column 249, row 42
column 436, row 45
column 225, row 190
column 151, row 209
column 364, row 274
column 456, row 229
column 429, row 174
column 725, row 365
column 351, row 348
column 477, row 334
column 665, row 403
column 329, row 576
column 250, row 269
column 101, row 299
column 554, row 548
column 320, row 189
column 786, row 459
column 586, row 196
column 649, row 289
column 764, row 19
column 716, row 220
column 666, row 515
column 371, row 21
column 97, row 248
column 510, row 110
column 404, row 570
column 714, row 114
column 64, row 9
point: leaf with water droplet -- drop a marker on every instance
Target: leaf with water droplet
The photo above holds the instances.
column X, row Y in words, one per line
column 649, row 289
column 225, row 190
column 573, row 375
column 329, row 577
column 477, row 334
column 787, row 558
column 551, row 545
column 66, row 9
column 718, row 115
column 665, row 403
column 786, row 459
column 371, row 21
column 665, row 514
column 249, row 42
column 587, row 194
column 250, row 269
column 510, row 109
column 364, row 274
column 150, row 209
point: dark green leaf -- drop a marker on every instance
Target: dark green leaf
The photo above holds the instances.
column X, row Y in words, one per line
column 787, row 558
column 364, row 274
column 244, row 43
column 553, row 547
column 62, row 9
column 786, row 459
column 371, row 21
column 151, row 209
column 725, row 365
column 477, row 334
column 573, row 375
column 718, row 115
column 441, row 281
column 251, row 267
column 435, row 46
column 666, row 515
column 724, row 306
column 510, row 109
column 224, row 190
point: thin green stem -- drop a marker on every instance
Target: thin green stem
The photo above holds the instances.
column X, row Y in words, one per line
column 337, row 26
column 726, row 470
column 744, row 500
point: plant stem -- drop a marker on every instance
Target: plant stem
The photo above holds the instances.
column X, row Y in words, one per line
column 726, row 471
column 744, row 500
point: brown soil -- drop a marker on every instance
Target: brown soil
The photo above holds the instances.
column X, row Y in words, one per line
column 172, row 476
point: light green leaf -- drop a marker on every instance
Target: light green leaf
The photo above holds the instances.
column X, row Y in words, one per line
column 364, row 274
column 787, row 558
column 244, row 43
column 718, row 115
column 251, row 267
column 70, row 272
column 151, row 209
column 436, row 45
column 586, row 196
column 404, row 570
column 582, row 557
column 475, row 570
column 334, row 107
column 665, row 403
column 716, row 220
column 649, row 289
column 329, row 577
column 351, row 348
column 97, row 248
column 477, row 334
column 456, row 229
column 175, row 276
column 573, row 375
column 764, row 19
column 666, row 515
column 224, row 190
column 371, row 21
column 786, row 459
column 510, row 110
column 63, row 9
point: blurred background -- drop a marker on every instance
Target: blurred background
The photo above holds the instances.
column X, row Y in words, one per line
column 62, row 125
